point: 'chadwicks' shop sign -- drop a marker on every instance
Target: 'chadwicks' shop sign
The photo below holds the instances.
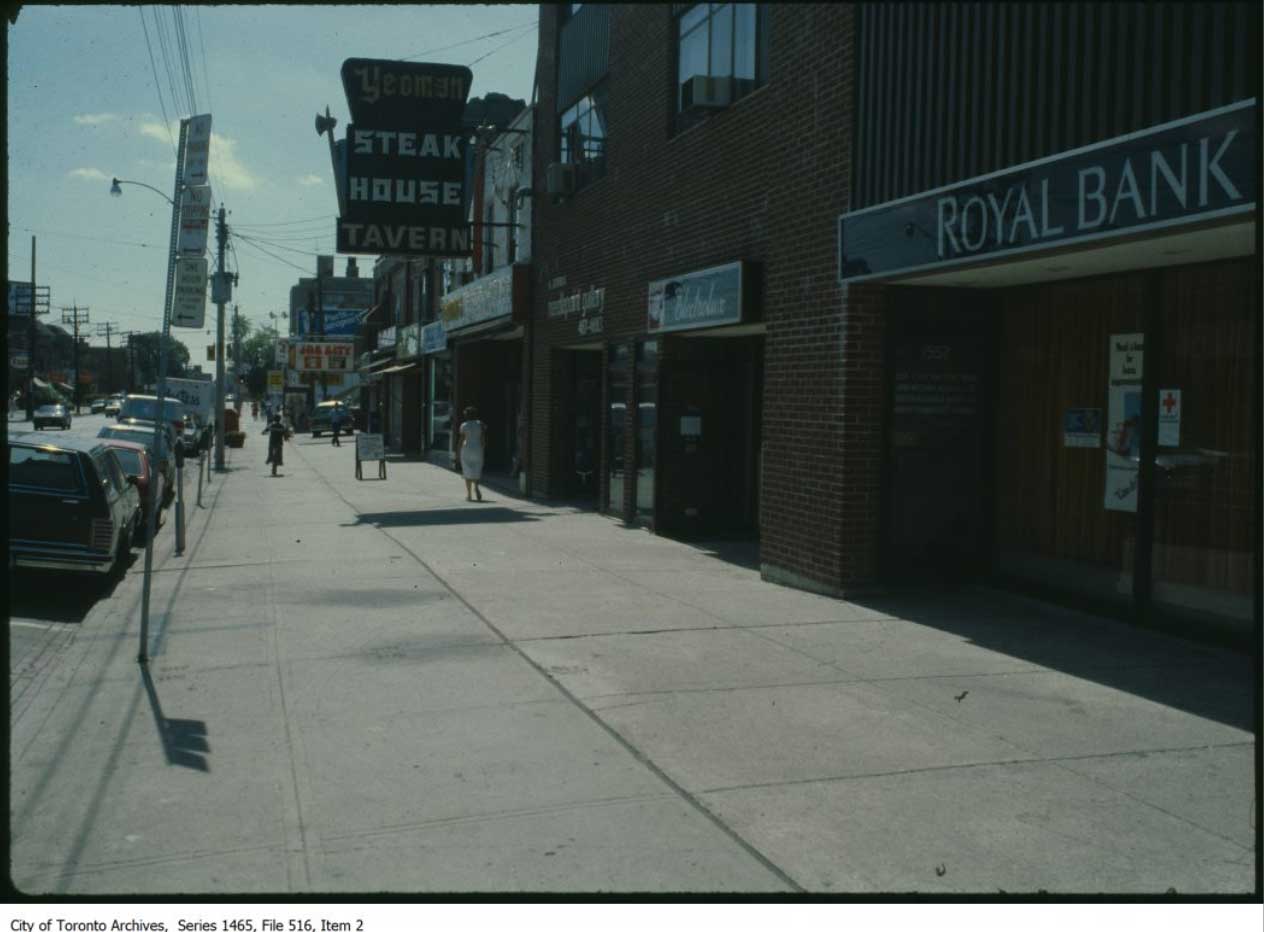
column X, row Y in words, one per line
column 708, row 298
column 1195, row 168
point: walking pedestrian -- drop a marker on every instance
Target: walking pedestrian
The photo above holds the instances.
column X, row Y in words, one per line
column 276, row 441
column 469, row 452
column 335, row 424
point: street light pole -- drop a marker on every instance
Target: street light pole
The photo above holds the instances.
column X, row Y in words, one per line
column 160, row 414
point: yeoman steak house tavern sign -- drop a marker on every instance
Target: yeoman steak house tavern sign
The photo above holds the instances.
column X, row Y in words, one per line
column 405, row 159
column 1193, row 169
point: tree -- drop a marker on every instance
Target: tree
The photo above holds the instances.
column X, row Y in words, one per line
column 258, row 352
column 146, row 347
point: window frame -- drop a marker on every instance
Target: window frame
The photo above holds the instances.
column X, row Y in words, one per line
column 759, row 55
column 588, row 169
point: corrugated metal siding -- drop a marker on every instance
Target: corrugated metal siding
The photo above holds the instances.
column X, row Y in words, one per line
column 950, row 91
column 583, row 53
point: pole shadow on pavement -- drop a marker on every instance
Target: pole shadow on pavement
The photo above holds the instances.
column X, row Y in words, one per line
column 183, row 739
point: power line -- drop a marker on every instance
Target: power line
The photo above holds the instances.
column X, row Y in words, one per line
column 166, row 122
column 499, row 47
column 97, row 239
column 206, row 78
column 182, row 44
column 277, row 258
column 444, row 48
column 285, row 222
column 161, row 28
column 274, row 245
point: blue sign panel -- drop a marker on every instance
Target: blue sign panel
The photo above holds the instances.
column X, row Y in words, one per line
column 1196, row 168
column 339, row 322
column 434, row 338
column 709, row 298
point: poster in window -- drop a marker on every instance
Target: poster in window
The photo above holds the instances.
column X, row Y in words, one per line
column 1123, row 428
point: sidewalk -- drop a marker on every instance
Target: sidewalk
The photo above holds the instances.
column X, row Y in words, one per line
column 368, row 686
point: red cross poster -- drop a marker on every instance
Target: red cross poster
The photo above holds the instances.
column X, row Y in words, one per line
column 1170, row 417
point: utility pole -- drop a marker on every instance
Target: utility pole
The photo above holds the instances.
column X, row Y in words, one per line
column 30, row 344
column 131, row 358
column 104, row 330
column 75, row 316
column 236, row 354
column 221, row 239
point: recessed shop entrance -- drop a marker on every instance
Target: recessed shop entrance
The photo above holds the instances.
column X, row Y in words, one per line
column 938, row 375
column 710, row 413
column 1092, row 439
column 579, row 434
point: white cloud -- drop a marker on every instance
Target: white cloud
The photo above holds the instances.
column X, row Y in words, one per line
column 308, row 180
column 92, row 174
column 94, row 119
column 226, row 167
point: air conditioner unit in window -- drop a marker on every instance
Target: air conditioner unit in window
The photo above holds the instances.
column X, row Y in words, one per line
column 560, row 179
column 706, row 93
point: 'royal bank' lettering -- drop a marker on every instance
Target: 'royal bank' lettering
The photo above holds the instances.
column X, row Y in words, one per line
column 1180, row 172
column 1104, row 196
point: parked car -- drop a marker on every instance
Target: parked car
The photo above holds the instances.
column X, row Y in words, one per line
column 138, row 433
column 319, row 420
column 96, row 406
column 48, row 415
column 113, row 404
column 145, row 408
column 71, row 505
column 135, row 460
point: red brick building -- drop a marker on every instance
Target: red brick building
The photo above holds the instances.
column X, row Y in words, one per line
column 867, row 284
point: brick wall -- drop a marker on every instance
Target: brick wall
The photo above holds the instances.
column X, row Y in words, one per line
column 763, row 180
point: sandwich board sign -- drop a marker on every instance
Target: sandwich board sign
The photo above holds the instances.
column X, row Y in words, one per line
column 370, row 447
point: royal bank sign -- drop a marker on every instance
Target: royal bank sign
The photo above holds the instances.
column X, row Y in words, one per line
column 405, row 159
column 1194, row 169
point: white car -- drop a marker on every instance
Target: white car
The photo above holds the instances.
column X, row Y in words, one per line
column 48, row 415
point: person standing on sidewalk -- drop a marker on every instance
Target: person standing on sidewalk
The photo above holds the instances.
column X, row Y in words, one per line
column 469, row 452
column 335, row 424
column 276, row 441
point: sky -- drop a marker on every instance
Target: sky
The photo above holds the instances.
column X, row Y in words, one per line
column 87, row 90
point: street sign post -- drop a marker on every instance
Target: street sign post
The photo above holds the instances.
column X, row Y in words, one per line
column 195, row 220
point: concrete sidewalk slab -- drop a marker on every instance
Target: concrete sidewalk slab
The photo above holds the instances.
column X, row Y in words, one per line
column 739, row 737
column 600, row 666
column 1031, row 827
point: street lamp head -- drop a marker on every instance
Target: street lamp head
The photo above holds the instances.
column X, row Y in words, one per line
column 115, row 190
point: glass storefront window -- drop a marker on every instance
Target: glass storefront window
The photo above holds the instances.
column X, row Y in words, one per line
column 617, row 384
column 646, row 425
column 440, row 407
column 1204, row 490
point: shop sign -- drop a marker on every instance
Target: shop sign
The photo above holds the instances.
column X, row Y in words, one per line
column 276, row 380
column 322, row 357
column 386, row 338
column 434, row 338
column 1082, row 427
column 19, row 360
column 592, row 301
column 405, row 168
column 709, row 298
column 1192, row 169
column 282, row 352
column 481, row 300
column 1123, row 429
column 20, row 298
column 195, row 220
column 1170, row 417
column 189, row 300
column 409, row 344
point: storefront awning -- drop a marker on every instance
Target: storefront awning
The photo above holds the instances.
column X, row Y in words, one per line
column 497, row 327
column 404, row 367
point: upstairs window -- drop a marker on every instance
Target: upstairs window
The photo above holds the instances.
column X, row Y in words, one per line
column 722, row 42
column 583, row 132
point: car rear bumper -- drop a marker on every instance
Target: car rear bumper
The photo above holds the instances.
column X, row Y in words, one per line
column 59, row 557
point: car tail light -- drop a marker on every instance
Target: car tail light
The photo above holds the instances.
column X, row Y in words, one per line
column 102, row 533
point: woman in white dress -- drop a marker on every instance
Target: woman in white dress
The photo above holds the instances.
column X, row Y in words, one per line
column 469, row 452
